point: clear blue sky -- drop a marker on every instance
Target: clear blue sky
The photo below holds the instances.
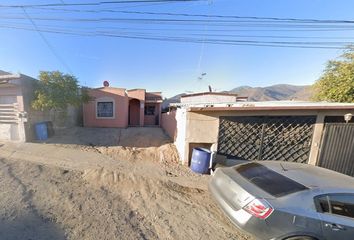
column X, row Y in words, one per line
column 170, row 67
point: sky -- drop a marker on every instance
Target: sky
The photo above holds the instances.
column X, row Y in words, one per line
column 171, row 67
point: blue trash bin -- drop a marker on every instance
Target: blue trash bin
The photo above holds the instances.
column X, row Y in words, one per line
column 41, row 131
column 200, row 160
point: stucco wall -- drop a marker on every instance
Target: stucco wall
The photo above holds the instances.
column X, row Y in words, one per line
column 149, row 120
column 169, row 124
column 153, row 120
column 121, row 102
column 181, row 141
column 10, row 91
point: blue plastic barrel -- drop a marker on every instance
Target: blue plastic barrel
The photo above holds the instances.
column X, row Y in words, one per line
column 41, row 131
column 200, row 160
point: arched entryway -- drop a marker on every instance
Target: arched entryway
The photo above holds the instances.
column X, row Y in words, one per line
column 134, row 112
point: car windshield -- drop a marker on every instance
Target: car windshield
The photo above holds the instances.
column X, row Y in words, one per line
column 268, row 180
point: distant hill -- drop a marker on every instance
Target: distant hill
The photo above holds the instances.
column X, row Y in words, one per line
column 272, row 93
column 275, row 92
column 174, row 99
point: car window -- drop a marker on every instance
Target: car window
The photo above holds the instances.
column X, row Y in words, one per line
column 268, row 180
column 339, row 204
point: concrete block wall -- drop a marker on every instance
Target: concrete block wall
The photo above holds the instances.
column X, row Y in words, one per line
column 169, row 124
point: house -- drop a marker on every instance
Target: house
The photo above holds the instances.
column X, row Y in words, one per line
column 118, row 107
column 318, row 133
column 17, row 118
column 14, row 102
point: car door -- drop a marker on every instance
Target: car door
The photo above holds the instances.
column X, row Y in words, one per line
column 337, row 215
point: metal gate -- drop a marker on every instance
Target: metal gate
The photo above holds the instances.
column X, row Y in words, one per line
column 285, row 138
column 337, row 148
column 9, row 128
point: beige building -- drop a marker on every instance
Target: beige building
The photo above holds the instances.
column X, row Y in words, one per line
column 308, row 132
column 17, row 118
column 14, row 102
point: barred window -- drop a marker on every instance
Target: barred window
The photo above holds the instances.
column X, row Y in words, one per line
column 105, row 110
column 149, row 110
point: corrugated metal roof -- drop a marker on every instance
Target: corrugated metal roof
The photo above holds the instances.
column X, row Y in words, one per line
column 268, row 105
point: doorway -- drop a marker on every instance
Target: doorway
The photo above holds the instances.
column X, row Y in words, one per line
column 134, row 112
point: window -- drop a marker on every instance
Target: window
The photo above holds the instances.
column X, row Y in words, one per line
column 105, row 110
column 149, row 110
column 339, row 204
column 268, row 180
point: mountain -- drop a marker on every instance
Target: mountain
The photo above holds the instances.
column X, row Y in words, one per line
column 271, row 93
column 275, row 92
column 175, row 99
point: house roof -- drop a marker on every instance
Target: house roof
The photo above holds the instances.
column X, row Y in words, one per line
column 4, row 73
column 99, row 88
column 153, row 97
column 209, row 93
column 8, row 76
column 271, row 105
column 136, row 89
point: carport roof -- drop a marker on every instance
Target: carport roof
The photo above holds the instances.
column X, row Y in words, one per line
column 271, row 105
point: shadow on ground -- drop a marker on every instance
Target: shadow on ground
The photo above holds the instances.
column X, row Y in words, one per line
column 126, row 137
column 30, row 227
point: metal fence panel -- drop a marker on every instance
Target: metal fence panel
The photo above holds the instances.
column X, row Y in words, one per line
column 337, row 148
column 286, row 138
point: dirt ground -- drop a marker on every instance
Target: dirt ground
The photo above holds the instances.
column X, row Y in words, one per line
column 109, row 184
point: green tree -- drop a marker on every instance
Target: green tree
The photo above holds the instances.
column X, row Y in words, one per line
column 337, row 81
column 57, row 91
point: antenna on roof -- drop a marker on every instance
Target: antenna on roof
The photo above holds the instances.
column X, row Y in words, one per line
column 210, row 89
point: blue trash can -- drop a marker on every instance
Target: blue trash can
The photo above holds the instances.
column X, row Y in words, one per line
column 200, row 160
column 41, row 131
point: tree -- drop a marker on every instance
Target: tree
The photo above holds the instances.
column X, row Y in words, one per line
column 57, row 91
column 337, row 81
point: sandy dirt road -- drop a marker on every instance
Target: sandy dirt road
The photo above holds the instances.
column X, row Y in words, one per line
column 52, row 191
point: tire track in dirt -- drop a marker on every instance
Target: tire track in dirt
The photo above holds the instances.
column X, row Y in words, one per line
column 175, row 211
column 20, row 219
column 64, row 198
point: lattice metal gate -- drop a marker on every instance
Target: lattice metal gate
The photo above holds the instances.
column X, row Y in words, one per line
column 337, row 148
column 285, row 138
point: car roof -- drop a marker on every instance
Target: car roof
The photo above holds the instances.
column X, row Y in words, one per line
column 312, row 176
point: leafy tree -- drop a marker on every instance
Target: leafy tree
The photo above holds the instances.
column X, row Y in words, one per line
column 57, row 91
column 337, row 81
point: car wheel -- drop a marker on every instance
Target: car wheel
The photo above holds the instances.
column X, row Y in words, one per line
column 301, row 238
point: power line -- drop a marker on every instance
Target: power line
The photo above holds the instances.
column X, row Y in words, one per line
column 319, row 45
column 202, row 36
column 93, row 3
column 51, row 48
column 191, row 32
column 301, row 20
column 221, row 26
column 218, row 30
column 196, row 22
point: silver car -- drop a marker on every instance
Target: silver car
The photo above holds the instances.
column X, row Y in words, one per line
column 282, row 200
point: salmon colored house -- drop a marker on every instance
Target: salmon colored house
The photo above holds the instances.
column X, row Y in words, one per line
column 118, row 107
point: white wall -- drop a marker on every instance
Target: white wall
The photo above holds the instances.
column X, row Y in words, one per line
column 181, row 132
